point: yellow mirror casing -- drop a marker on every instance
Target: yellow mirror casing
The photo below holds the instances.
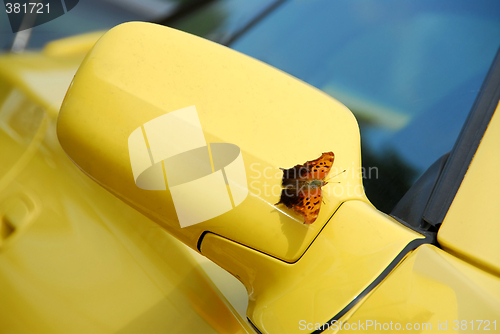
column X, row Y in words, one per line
column 142, row 83
column 138, row 72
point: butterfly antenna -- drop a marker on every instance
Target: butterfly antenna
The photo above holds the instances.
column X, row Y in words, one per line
column 335, row 176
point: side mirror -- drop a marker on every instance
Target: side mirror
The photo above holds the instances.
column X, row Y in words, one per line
column 192, row 134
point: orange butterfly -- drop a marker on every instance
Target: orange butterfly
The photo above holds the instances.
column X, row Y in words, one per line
column 302, row 186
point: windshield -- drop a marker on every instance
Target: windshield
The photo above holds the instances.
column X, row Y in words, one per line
column 221, row 20
column 409, row 71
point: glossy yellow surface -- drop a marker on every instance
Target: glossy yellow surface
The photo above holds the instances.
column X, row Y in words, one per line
column 471, row 229
column 74, row 258
column 353, row 249
column 432, row 287
column 138, row 71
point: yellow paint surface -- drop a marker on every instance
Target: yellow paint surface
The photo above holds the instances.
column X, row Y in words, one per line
column 471, row 229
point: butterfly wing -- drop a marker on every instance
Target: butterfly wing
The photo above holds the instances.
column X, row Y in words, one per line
column 312, row 170
column 305, row 201
column 319, row 168
column 309, row 204
column 298, row 193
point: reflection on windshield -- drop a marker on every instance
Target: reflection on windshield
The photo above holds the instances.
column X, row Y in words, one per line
column 220, row 20
column 91, row 15
column 409, row 71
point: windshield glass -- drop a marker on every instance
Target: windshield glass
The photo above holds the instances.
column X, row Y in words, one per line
column 409, row 71
column 221, row 20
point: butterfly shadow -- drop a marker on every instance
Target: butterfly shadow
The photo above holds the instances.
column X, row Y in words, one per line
column 293, row 227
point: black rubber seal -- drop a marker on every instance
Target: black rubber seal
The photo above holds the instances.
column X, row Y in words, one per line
column 253, row 326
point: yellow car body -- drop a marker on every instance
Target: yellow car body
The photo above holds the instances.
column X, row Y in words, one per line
column 76, row 259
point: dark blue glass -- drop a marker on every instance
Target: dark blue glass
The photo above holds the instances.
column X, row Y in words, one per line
column 409, row 70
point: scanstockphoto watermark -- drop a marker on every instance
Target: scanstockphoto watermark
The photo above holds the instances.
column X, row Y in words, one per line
column 266, row 180
column 369, row 325
column 391, row 326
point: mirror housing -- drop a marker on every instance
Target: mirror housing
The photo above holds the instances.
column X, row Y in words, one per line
column 140, row 72
column 192, row 134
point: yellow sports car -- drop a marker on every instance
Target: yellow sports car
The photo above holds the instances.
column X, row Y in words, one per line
column 252, row 167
